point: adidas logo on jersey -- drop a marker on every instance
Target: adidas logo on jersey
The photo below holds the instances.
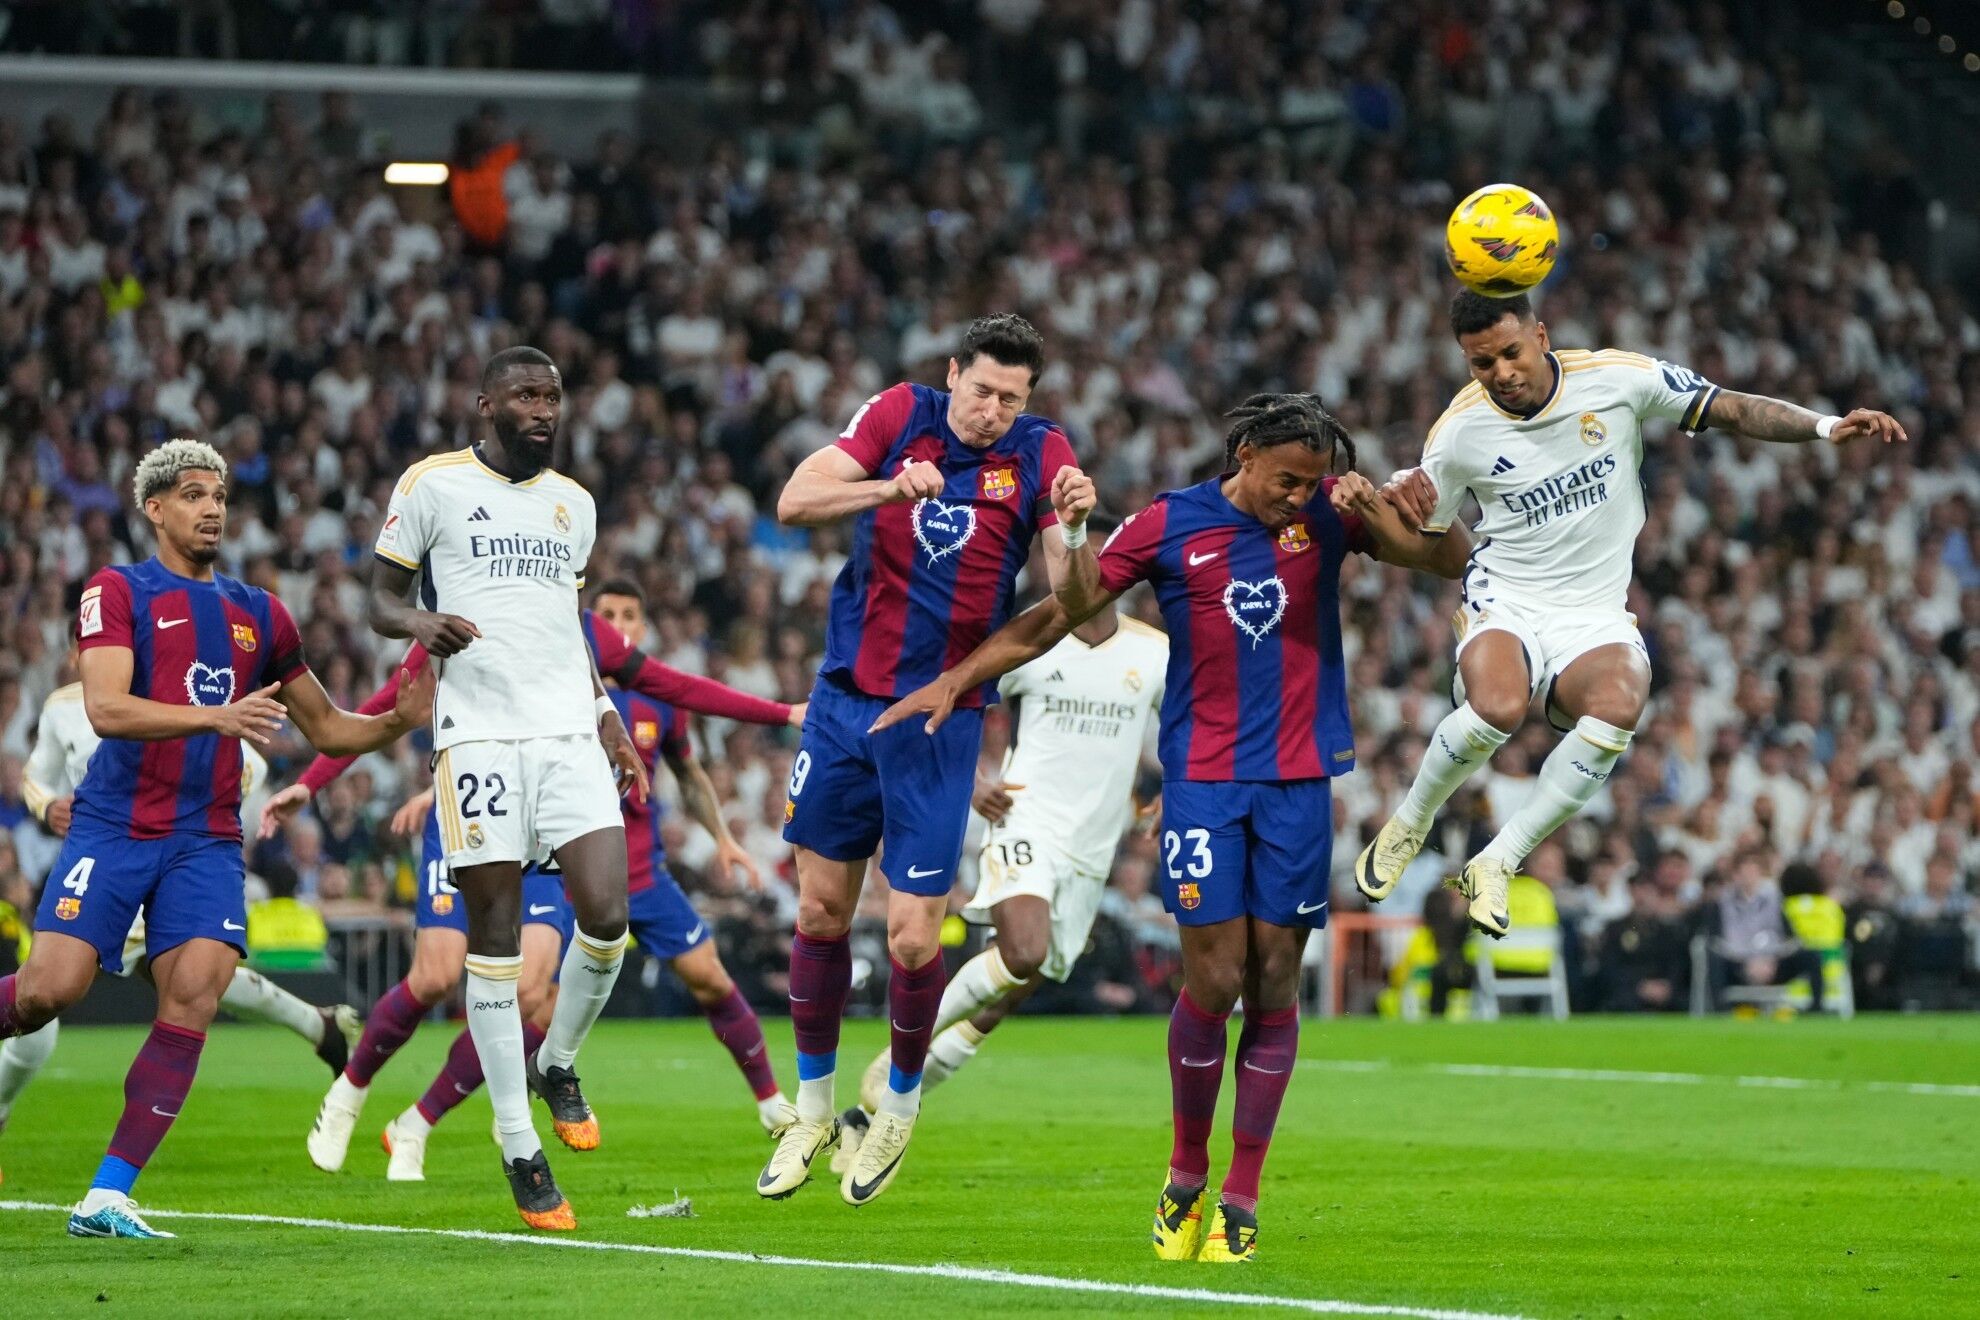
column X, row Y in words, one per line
column 1058, row 676
column 479, row 515
column 1501, row 466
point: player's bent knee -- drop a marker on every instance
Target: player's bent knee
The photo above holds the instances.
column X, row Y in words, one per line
column 430, row 985
column 914, row 948
column 1022, row 958
column 1216, row 994
column 1504, row 711
column 824, row 918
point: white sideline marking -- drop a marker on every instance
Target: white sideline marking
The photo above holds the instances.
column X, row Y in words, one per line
column 1657, row 1078
column 960, row 1273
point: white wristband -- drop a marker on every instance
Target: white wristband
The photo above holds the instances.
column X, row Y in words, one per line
column 1825, row 426
column 601, row 708
column 1075, row 537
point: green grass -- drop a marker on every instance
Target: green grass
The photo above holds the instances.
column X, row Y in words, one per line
column 1405, row 1184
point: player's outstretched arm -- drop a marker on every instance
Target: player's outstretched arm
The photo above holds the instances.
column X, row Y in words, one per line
column 116, row 712
column 704, row 807
column 391, row 613
column 831, row 485
column 338, row 732
column 1071, row 561
column 1789, row 423
column 1025, row 638
column 1395, row 541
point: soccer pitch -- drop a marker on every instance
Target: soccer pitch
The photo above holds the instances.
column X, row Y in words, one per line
column 1596, row 1168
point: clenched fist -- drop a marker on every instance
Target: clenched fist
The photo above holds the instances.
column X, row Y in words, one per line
column 1073, row 496
column 917, row 480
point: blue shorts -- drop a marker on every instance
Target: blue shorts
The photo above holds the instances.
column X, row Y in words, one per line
column 189, row 887
column 902, row 791
column 440, row 903
column 1239, row 849
column 662, row 920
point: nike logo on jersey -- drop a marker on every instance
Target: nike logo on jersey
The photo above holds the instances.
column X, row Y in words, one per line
column 694, row 934
column 163, row 624
column 1306, row 908
column 1501, row 466
column 479, row 515
column 1196, row 559
column 232, row 925
column 914, row 874
column 538, row 909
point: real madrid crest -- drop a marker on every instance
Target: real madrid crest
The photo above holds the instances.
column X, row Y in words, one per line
column 561, row 519
column 1592, row 430
column 1131, row 680
column 474, row 836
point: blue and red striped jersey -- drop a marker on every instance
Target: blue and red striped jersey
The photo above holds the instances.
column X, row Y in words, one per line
column 657, row 730
column 192, row 643
column 1257, row 689
column 926, row 582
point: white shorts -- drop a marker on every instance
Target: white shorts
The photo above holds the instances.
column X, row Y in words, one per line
column 519, row 800
column 1010, row 867
column 1553, row 639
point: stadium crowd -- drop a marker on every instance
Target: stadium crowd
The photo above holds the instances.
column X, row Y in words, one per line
column 1192, row 201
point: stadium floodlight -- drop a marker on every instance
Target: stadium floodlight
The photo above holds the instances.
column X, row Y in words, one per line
column 416, row 173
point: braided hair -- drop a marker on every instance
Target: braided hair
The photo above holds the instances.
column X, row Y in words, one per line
column 1265, row 420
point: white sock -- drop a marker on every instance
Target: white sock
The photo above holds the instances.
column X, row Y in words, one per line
column 251, row 994
column 591, row 969
column 901, row 1104
column 348, row 1094
column 101, row 1198
column 979, row 983
column 817, row 1098
column 21, row 1058
column 1572, row 774
column 1463, row 742
column 413, row 1121
column 496, row 1024
column 771, row 1108
column 950, row 1051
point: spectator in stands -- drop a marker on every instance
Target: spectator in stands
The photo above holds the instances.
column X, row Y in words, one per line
column 1747, row 938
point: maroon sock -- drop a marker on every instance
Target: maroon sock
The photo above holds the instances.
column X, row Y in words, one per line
column 1196, row 1074
column 821, row 978
column 734, row 1023
column 154, row 1089
column 461, row 1075
column 1268, row 1047
column 10, row 1021
column 391, row 1024
column 914, row 998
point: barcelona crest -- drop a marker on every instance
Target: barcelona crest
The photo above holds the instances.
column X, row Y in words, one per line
column 999, row 483
column 1295, row 538
column 244, row 636
column 646, row 733
column 1189, row 895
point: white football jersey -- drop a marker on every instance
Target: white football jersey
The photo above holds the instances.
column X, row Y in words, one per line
column 507, row 556
column 64, row 741
column 1561, row 491
column 1083, row 717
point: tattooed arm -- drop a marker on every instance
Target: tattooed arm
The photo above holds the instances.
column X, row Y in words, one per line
column 1772, row 419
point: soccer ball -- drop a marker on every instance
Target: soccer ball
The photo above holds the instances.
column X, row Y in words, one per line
column 1501, row 240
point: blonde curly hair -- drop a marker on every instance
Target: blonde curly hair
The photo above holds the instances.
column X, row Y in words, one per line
column 160, row 470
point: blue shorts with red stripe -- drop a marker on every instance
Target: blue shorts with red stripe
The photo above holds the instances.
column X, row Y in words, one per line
column 189, row 886
column 1247, row 850
column 440, row 904
column 662, row 920
column 903, row 791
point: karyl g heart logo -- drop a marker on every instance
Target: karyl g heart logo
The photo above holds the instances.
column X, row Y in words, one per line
column 1256, row 607
column 207, row 686
column 942, row 529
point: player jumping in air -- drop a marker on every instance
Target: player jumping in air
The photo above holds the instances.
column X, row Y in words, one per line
column 528, row 745
column 1551, row 444
column 1254, row 725
column 440, row 919
column 63, row 744
column 947, row 490
column 1057, row 811
column 662, row 920
column 178, row 665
